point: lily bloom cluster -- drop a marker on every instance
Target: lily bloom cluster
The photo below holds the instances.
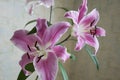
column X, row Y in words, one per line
column 40, row 48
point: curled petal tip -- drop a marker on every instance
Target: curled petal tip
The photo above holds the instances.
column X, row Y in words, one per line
column 100, row 31
column 61, row 52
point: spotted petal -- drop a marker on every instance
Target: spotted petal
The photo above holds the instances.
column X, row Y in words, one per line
column 61, row 52
column 47, row 68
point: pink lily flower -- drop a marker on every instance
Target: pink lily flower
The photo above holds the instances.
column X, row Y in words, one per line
column 40, row 48
column 31, row 4
column 85, row 28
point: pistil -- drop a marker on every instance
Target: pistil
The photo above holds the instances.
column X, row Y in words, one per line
column 93, row 31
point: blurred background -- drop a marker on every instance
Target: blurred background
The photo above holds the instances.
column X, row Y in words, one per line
column 13, row 16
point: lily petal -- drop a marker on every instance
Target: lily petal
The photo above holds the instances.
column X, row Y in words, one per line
column 54, row 32
column 47, row 68
column 22, row 40
column 80, row 43
column 41, row 27
column 26, row 59
column 61, row 52
column 31, row 4
column 82, row 10
column 91, row 19
column 47, row 3
column 30, row 10
column 100, row 31
column 92, row 41
column 72, row 15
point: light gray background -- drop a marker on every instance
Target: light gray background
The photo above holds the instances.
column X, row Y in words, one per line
column 13, row 16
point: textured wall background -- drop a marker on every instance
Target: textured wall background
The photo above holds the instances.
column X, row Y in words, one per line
column 13, row 17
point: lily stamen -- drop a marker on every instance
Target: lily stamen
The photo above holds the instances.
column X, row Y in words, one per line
column 92, row 23
column 39, row 58
column 36, row 46
column 93, row 31
column 28, row 56
column 29, row 47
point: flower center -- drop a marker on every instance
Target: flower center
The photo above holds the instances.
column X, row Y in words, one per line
column 42, row 52
column 81, row 30
column 78, row 30
column 93, row 31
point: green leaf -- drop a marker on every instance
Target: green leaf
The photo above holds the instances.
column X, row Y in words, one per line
column 29, row 67
column 30, row 22
column 64, row 74
column 94, row 58
column 32, row 31
column 21, row 76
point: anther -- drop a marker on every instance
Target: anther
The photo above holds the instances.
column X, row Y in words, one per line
column 39, row 58
column 36, row 46
column 28, row 56
column 92, row 23
column 93, row 31
column 29, row 47
column 35, row 43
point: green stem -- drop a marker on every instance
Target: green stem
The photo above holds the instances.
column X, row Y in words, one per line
column 64, row 40
column 94, row 58
column 51, row 8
